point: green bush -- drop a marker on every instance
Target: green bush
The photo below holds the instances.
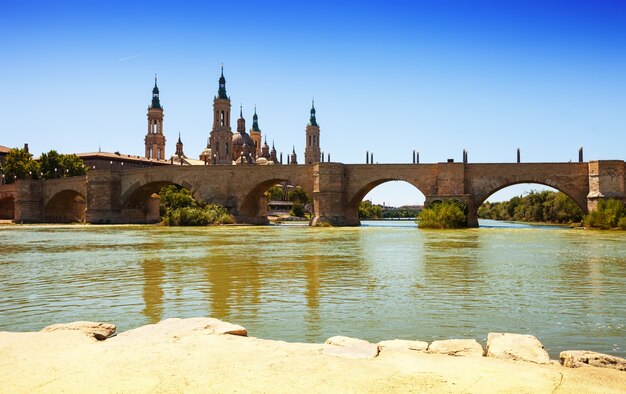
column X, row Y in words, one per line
column 611, row 213
column 179, row 208
column 444, row 215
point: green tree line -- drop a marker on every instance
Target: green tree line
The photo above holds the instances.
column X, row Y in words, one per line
column 19, row 164
column 544, row 206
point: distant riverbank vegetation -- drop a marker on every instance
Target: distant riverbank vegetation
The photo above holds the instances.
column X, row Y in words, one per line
column 448, row 214
column 179, row 208
column 369, row 211
column 538, row 207
column 610, row 214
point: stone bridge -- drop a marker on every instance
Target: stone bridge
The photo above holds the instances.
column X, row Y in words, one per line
column 336, row 189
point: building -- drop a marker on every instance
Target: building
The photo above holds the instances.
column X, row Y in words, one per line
column 155, row 140
column 118, row 161
column 4, row 151
column 312, row 143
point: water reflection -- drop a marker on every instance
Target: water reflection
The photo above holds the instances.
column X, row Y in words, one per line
column 153, row 289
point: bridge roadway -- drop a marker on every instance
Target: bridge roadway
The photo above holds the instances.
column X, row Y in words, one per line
column 337, row 189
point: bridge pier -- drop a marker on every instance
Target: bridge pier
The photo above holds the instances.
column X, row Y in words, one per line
column 103, row 197
column 28, row 201
column 329, row 196
column 607, row 179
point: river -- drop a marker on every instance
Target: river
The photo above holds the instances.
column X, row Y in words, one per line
column 383, row 280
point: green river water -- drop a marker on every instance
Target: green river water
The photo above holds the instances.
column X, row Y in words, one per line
column 383, row 280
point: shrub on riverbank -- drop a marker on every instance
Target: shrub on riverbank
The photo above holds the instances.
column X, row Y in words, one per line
column 179, row 208
column 444, row 215
column 545, row 206
column 610, row 214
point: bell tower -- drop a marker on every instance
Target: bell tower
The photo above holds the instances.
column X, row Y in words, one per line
column 255, row 133
column 155, row 140
column 312, row 146
column 221, row 133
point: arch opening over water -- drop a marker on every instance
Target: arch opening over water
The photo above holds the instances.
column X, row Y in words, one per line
column 276, row 197
column 389, row 198
column 531, row 202
column 142, row 204
column 67, row 206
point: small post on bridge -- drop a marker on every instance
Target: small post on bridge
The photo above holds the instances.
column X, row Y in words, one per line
column 465, row 156
column 372, row 158
column 413, row 156
column 518, row 156
column 580, row 154
column 417, row 157
column 367, row 157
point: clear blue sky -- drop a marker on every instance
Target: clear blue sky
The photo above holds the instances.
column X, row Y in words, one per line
column 389, row 77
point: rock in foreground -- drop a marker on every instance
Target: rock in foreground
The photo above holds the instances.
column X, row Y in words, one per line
column 581, row 358
column 517, row 347
column 100, row 331
column 180, row 327
column 346, row 347
column 457, row 347
column 402, row 344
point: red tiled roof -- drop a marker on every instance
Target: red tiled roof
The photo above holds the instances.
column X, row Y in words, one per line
column 4, row 149
column 124, row 157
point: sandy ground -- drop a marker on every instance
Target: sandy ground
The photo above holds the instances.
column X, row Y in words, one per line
column 197, row 361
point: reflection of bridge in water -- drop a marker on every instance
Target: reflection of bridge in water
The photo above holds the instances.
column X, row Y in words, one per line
column 337, row 189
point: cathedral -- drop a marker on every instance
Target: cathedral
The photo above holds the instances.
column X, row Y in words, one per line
column 225, row 147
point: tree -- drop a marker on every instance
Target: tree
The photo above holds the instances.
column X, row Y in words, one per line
column 58, row 165
column 367, row 210
column 19, row 164
column 275, row 193
column 298, row 195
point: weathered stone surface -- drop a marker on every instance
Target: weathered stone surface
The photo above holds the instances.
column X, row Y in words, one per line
column 100, row 331
column 582, row 358
column 516, row 347
column 181, row 327
column 457, row 347
column 346, row 347
column 402, row 344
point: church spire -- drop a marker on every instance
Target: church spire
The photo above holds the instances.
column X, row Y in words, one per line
column 156, row 103
column 255, row 121
column 221, row 93
column 312, row 120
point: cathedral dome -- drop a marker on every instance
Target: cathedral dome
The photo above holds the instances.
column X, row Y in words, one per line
column 239, row 139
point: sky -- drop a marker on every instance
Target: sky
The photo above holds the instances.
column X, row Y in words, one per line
column 387, row 76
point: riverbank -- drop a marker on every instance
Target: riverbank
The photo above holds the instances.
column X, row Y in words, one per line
column 197, row 355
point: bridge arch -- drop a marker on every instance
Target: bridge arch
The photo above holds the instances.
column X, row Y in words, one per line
column 577, row 196
column 354, row 200
column 140, row 203
column 252, row 209
column 65, row 206
column 7, row 208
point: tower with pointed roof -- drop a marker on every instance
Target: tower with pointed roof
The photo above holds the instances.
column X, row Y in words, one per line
column 242, row 143
column 255, row 134
column 312, row 143
column 179, row 148
column 294, row 157
column 221, row 133
column 155, row 140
